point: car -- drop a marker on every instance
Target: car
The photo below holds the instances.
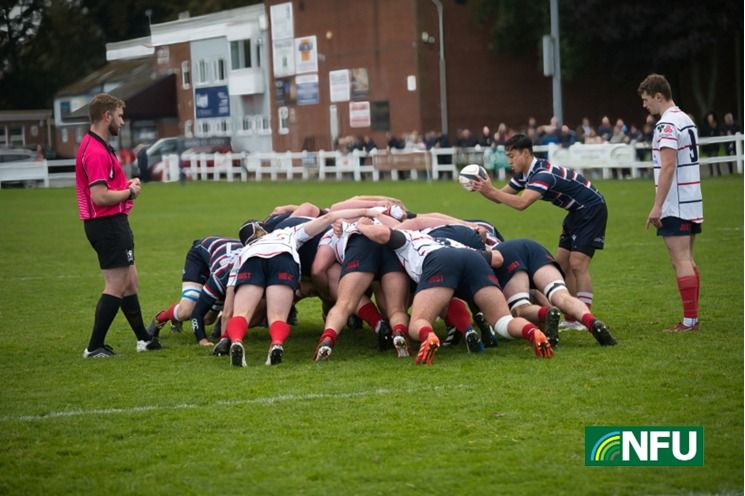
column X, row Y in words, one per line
column 17, row 155
column 183, row 147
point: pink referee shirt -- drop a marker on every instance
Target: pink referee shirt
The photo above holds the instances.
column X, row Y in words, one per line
column 96, row 163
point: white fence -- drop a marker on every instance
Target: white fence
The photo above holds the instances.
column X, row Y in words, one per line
column 603, row 160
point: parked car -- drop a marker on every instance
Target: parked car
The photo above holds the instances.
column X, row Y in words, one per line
column 16, row 155
column 181, row 146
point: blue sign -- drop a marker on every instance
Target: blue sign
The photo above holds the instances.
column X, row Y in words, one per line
column 307, row 93
column 212, row 102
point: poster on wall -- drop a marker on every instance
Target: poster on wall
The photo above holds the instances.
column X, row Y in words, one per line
column 339, row 85
column 281, row 19
column 359, row 114
column 360, row 84
column 306, row 54
column 285, row 91
column 212, row 102
column 307, row 89
column 283, row 57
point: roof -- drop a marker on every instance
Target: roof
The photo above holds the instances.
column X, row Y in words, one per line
column 24, row 115
column 146, row 97
column 116, row 71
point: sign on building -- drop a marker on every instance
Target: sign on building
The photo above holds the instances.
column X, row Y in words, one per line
column 282, row 21
column 306, row 54
column 359, row 114
column 339, row 85
column 212, row 102
column 283, row 57
column 307, row 89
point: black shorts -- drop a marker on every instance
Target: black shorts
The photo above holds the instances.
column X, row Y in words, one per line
column 264, row 272
column 112, row 239
column 522, row 255
column 584, row 230
column 461, row 234
column 462, row 270
column 674, row 226
column 364, row 255
column 195, row 267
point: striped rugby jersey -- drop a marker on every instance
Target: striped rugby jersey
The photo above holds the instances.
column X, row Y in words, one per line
column 418, row 245
column 677, row 131
column 563, row 187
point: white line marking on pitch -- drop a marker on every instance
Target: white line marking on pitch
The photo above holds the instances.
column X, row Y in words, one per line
column 267, row 400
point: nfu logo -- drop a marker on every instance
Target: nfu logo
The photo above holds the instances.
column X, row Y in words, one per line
column 644, row 445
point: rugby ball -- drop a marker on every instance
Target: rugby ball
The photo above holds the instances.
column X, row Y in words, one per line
column 471, row 172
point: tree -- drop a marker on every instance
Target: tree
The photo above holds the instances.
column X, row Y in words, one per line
column 683, row 40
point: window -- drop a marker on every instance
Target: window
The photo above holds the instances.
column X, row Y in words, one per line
column 204, row 128
column 283, row 124
column 220, row 70
column 259, row 46
column 380, row 116
column 240, row 54
column 63, row 135
column 203, row 72
column 185, row 74
column 17, row 137
column 222, row 126
column 163, row 55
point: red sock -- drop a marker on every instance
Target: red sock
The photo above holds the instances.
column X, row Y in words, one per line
column 279, row 330
column 458, row 315
column 237, row 327
column 400, row 329
column 698, row 283
column 369, row 313
column 528, row 332
column 166, row 315
column 329, row 334
column 542, row 312
column 688, row 287
column 588, row 319
column 424, row 332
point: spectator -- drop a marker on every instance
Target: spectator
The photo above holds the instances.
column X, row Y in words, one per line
column 593, row 138
column 142, row 163
column 710, row 129
column 368, row 144
column 394, row 143
column 502, row 134
column 605, row 131
column 485, row 139
column 465, row 139
column 619, row 133
column 730, row 128
column 567, row 137
column 443, row 141
column 583, row 130
column 430, row 140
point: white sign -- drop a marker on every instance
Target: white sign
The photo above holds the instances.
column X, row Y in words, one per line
column 306, row 54
column 283, row 57
column 282, row 23
column 411, row 83
column 359, row 114
column 339, row 85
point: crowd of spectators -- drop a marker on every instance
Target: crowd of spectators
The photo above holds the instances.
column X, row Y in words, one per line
column 606, row 131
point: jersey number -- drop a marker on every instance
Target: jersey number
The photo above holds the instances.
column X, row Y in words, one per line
column 694, row 148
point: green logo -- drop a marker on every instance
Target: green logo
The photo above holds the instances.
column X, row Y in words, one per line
column 614, row 446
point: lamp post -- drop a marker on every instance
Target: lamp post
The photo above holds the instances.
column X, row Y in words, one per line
column 443, row 87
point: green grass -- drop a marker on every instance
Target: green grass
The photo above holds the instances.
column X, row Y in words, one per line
column 183, row 422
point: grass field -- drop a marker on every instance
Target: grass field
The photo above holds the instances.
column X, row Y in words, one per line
column 180, row 421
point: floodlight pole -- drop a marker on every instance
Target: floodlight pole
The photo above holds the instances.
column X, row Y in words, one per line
column 558, row 111
column 443, row 87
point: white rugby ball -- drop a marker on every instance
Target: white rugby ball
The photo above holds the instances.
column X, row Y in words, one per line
column 470, row 173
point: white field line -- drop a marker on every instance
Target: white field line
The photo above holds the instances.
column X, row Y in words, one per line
column 266, row 400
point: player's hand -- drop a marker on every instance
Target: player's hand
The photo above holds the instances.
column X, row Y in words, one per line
column 205, row 342
column 541, row 345
column 483, row 186
column 364, row 221
column 654, row 217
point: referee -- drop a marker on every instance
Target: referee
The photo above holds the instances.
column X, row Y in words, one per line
column 105, row 198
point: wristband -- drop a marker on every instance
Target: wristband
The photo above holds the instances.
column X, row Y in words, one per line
column 131, row 193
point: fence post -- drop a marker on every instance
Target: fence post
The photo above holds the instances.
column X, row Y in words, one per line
column 738, row 151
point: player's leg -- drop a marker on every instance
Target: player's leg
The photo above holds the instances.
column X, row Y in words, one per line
column 279, row 299
column 395, row 287
column 177, row 312
column 428, row 303
column 680, row 249
column 247, row 298
column 492, row 302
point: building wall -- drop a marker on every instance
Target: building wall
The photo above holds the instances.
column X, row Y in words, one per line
column 179, row 58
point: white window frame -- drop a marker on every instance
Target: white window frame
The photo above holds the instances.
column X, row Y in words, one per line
column 220, row 70
column 203, row 72
column 21, row 135
column 238, row 54
column 186, row 74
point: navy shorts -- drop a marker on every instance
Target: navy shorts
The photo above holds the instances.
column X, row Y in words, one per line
column 674, row 226
column 461, row 234
column 364, row 255
column 264, row 272
column 112, row 239
column 464, row 271
column 584, row 230
column 196, row 269
column 522, row 255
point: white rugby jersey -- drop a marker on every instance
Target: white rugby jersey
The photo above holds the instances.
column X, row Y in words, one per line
column 339, row 243
column 418, row 245
column 287, row 240
column 677, row 131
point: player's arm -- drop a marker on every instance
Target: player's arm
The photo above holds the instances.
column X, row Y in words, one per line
column 665, row 180
column 487, row 189
column 374, row 232
column 317, row 226
column 103, row 196
column 518, row 202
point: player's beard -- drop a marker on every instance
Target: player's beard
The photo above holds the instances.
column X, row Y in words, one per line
column 113, row 129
